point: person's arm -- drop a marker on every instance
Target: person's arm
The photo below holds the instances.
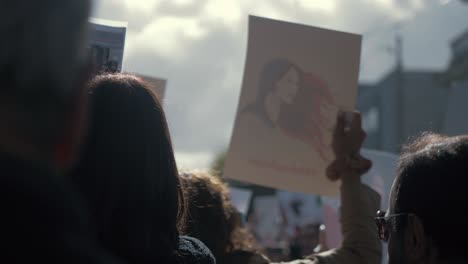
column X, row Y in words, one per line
column 358, row 202
column 360, row 244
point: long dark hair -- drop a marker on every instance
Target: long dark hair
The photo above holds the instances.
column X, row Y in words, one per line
column 128, row 172
column 271, row 73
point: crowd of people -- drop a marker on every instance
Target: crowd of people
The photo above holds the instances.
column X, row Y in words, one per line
column 89, row 174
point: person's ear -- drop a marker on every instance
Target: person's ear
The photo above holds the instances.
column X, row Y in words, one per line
column 415, row 240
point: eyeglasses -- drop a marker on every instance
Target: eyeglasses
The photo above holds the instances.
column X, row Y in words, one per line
column 383, row 226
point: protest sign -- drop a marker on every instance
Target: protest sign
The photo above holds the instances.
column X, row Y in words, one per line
column 266, row 221
column 240, row 198
column 296, row 78
column 300, row 210
column 107, row 44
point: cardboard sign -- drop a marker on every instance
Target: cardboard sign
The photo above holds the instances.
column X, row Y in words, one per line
column 107, row 44
column 296, row 80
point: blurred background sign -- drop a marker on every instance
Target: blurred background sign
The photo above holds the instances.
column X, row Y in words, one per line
column 107, row 44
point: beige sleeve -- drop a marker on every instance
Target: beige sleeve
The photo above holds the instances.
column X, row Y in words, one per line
column 361, row 245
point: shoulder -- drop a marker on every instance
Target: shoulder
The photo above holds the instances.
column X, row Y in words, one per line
column 192, row 250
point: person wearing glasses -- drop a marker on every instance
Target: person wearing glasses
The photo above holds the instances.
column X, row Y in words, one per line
column 361, row 243
column 427, row 205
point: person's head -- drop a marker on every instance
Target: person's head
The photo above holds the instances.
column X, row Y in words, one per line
column 128, row 173
column 427, row 210
column 211, row 217
column 281, row 79
column 43, row 68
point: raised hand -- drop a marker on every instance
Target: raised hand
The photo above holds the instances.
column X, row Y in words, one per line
column 347, row 143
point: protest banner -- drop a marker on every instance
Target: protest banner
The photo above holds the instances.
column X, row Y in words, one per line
column 107, row 44
column 296, row 79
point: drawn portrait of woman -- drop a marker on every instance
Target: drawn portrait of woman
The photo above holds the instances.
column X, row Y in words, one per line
column 294, row 102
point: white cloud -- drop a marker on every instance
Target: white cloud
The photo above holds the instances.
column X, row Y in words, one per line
column 321, row 5
column 143, row 6
column 183, row 2
column 173, row 36
column 402, row 9
column 228, row 12
column 193, row 160
column 168, row 37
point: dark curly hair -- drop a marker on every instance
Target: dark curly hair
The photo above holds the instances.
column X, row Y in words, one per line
column 212, row 218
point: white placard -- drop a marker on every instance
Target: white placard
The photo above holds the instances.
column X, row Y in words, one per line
column 266, row 221
column 107, row 44
column 300, row 210
column 296, row 79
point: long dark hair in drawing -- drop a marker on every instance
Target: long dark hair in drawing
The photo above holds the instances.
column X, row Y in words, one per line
column 293, row 100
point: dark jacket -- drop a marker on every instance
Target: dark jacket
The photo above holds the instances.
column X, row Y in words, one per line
column 193, row 251
column 42, row 217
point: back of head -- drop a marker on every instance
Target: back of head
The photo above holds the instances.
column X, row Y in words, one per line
column 42, row 50
column 211, row 217
column 431, row 184
column 128, row 171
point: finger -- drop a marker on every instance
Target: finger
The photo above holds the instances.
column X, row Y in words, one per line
column 359, row 164
column 359, row 138
column 332, row 171
column 356, row 122
column 338, row 132
column 340, row 125
column 363, row 137
column 365, row 167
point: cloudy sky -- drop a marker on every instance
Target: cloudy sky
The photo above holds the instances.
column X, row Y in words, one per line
column 199, row 46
